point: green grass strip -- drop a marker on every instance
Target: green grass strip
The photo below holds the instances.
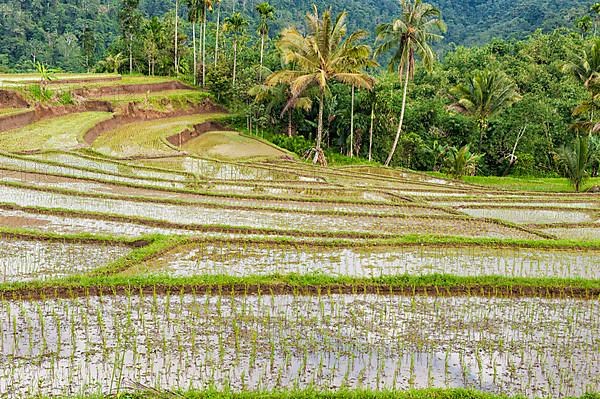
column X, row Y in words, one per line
column 434, row 284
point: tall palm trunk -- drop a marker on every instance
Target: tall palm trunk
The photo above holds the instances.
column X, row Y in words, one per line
column 176, row 63
column 351, row 150
column 217, row 34
column 234, row 60
column 289, row 122
column 262, row 50
column 130, row 54
column 320, row 122
column 195, row 52
column 204, row 47
column 404, row 95
column 371, row 131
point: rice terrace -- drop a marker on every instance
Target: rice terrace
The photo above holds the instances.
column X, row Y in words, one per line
column 201, row 207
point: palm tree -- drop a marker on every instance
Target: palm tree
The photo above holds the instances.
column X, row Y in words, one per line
column 407, row 37
column 217, row 31
column 266, row 12
column 193, row 16
column 176, row 61
column 586, row 70
column 207, row 5
column 576, row 161
column 280, row 97
column 236, row 25
column 461, row 162
column 46, row 75
column 113, row 62
column 485, row 94
column 324, row 54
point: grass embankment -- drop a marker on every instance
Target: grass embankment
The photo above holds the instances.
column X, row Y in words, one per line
column 161, row 100
column 311, row 394
column 558, row 185
column 60, row 133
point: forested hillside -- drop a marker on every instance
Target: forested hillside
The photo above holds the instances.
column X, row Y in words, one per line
column 73, row 34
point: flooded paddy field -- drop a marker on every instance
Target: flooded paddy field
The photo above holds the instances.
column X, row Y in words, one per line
column 26, row 260
column 198, row 215
column 523, row 346
column 247, row 258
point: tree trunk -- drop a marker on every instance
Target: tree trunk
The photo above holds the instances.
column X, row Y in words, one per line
column 262, row 49
column 393, row 150
column 217, row 34
column 234, row 60
column 371, row 131
column 130, row 54
column 351, row 149
column 195, row 56
column 320, row 122
column 289, row 122
column 204, row 47
column 176, row 63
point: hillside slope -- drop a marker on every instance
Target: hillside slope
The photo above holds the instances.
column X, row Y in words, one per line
column 72, row 34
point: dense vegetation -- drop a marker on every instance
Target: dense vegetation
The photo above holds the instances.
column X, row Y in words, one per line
column 436, row 126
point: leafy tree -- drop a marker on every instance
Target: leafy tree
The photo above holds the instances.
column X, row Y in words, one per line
column 267, row 13
column 483, row 96
column 576, row 161
column 130, row 19
column 323, row 55
column 407, row 37
column 235, row 25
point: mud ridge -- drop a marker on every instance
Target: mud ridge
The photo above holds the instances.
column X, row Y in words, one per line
column 130, row 89
column 140, row 288
column 40, row 112
column 181, row 138
column 11, row 99
column 132, row 114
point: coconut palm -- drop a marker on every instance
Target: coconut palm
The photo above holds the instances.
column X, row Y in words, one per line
column 326, row 53
column 236, row 24
column 484, row 95
column 576, row 161
column 266, row 12
column 409, row 37
column 193, row 17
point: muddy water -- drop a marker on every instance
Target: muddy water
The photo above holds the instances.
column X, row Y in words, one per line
column 250, row 259
column 535, row 347
column 23, row 260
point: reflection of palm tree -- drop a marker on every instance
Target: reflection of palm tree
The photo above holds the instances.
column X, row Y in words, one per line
column 485, row 94
column 315, row 59
column 409, row 36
